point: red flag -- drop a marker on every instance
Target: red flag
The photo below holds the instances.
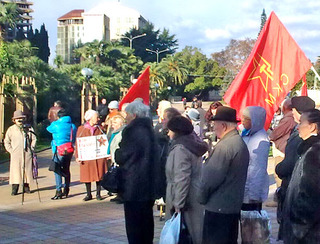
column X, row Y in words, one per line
column 274, row 66
column 304, row 88
column 138, row 89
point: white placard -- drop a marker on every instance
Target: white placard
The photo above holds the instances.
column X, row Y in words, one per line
column 92, row 147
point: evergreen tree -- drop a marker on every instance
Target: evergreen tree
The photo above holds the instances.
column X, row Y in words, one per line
column 43, row 44
column 40, row 40
column 154, row 40
column 263, row 20
column 30, row 35
column 20, row 35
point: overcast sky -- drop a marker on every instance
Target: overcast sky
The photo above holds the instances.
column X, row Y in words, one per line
column 205, row 24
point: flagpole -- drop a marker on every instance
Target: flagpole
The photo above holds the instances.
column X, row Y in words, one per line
column 315, row 78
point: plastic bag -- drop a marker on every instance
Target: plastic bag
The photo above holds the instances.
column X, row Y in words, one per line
column 255, row 227
column 171, row 230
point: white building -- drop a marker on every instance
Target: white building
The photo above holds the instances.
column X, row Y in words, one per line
column 96, row 27
column 107, row 21
column 122, row 18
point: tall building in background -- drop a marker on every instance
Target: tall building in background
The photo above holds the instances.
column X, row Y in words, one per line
column 26, row 19
column 105, row 22
column 70, row 33
column 96, row 27
column 122, row 18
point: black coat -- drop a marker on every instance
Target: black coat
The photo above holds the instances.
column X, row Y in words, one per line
column 301, row 213
column 284, row 169
column 139, row 161
column 163, row 142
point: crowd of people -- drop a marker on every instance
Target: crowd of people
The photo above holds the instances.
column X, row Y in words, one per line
column 205, row 165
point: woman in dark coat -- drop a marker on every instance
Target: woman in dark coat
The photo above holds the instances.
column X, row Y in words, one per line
column 91, row 170
column 138, row 159
column 208, row 131
column 301, row 220
column 183, row 169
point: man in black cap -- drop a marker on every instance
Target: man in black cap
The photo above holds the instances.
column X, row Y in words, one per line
column 223, row 179
column 285, row 168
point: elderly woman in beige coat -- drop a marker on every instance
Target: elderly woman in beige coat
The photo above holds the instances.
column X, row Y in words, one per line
column 14, row 144
column 117, row 124
column 183, row 169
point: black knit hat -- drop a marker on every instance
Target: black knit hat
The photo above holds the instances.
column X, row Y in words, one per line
column 302, row 103
column 180, row 125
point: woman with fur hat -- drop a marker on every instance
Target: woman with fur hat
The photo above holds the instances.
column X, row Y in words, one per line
column 14, row 144
column 183, row 169
column 91, row 170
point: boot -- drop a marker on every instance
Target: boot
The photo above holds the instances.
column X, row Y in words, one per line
column 15, row 188
column 66, row 191
column 58, row 195
column 89, row 196
column 99, row 198
column 26, row 188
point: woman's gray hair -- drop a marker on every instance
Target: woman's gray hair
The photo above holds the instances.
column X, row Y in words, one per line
column 138, row 108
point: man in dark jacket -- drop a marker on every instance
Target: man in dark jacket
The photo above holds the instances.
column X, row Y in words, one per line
column 223, row 180
column 279, row 136
column 285, row 168
column 139, row 163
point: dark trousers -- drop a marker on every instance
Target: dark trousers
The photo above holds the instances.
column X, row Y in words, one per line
column 139, row 221
column 220, row 228
column 251, row 206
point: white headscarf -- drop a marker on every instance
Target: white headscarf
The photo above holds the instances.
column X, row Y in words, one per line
column 88, row 115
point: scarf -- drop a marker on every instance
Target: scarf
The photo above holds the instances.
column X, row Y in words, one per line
column 91, row 128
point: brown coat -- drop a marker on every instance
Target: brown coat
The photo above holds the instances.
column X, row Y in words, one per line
column 281, row 133
column 14, row 144
column 91, row 170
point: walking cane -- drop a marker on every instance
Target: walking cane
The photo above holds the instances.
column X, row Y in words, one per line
column 25, row 148
column 27, row 145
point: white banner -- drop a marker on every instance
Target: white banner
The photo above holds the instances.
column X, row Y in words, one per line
column 92, row 147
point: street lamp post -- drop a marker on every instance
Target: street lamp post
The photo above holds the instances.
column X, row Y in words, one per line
column 156, row 86
column 132, row 38
column 157, row 52
column 85, row 92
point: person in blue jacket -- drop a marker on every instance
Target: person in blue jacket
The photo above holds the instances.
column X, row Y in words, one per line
column 63, row 131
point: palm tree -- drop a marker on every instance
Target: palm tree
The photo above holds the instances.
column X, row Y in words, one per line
column 174, row 69
column 156, row 75
column 9, row 17
column 58, row 61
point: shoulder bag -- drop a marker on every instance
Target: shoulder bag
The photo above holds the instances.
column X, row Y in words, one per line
column 66, row 148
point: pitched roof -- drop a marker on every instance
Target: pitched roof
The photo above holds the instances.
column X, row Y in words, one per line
column 73, row 14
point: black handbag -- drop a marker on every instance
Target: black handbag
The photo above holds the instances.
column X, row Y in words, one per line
column 57, row 166
column 111, row 180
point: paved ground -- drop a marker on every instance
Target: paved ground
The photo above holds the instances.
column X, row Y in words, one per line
column 68, row 220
